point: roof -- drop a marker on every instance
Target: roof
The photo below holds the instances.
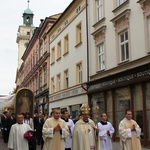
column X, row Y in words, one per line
column 28, row 11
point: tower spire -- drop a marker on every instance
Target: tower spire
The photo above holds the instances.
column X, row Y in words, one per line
column 28, row 3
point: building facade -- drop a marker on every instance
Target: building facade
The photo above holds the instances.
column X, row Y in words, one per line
column 68, row 59
column 119, row 62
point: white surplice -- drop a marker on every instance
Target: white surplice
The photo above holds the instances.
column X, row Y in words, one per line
column 68, row 142
column 16, row 137
column 105, row 139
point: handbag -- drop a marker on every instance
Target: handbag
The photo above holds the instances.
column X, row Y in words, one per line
column 28, row 135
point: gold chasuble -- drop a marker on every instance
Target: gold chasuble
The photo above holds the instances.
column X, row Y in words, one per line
column 129, row 140
column 84, row 136
column 54, row 140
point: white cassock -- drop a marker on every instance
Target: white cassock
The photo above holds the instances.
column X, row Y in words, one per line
column 68, row 142
column 105, row 139
column 16, row 137
column 54, row 140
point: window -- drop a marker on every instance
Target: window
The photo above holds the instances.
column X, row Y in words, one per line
column 66, row 79
column 124, row 47
column 78, row 9
column 52, row 85
column 101, row 62
column 148, row 25
column 120, row 2
column 45, row 45
column 36, row 54
column 58, row 50
column 40, row 77
column 66, row 22
column 99, row 9
column 122, row 103
column 41, row 50
column 45, row 75
column 79, row 73
column 78, row 34
column 58, row 85
column 66, row 44
column 53, row 55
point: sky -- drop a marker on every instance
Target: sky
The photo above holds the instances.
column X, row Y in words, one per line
column 11, row 17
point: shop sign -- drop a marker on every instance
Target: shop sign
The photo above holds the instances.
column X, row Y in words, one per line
column 67, row 94
column 120, row 79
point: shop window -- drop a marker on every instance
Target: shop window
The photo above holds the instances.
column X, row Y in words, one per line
column 148, row 109
column 97, row 106
column 109, row 106
column 122, row 103
column 75, row 111
column 138, row 106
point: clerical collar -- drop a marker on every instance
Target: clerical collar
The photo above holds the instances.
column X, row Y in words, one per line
column 86, row 121
column 20, row 123
column 104, row 123
column 66, row 120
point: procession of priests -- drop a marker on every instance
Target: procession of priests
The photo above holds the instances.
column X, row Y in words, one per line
column 59, row 132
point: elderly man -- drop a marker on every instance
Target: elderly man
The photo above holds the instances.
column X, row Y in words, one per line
column 129, row 132
column 84, row 134
column 55, row 132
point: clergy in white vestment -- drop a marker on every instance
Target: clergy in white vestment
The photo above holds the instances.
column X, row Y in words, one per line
column 16, row 136
column 129, row 132
column 84, row 134
column 55, row 132
column 70, row 124
column 105, row 134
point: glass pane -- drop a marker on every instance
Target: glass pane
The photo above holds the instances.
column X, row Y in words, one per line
column 97, row 106
column 122, row 98
column 127, row 51
column 139, row 119
column 118, row 118
column 122, row 38
column 148, row 124
column 110, row 117
column 122, row 53
column 109, row 101
column 126, row 35
column 148, row 95
column 137, row 97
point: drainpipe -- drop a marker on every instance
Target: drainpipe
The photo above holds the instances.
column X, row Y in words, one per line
column 87, row 40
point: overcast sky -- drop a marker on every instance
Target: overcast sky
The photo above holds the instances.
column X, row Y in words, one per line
column 11, row 17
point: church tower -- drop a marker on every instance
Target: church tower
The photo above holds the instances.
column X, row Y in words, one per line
column 24, row 34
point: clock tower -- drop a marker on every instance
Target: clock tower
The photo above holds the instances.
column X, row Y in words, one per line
column 28, row 16
column 24, row 34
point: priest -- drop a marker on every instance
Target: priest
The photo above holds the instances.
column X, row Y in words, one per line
column 84, row 134
column 129, row 132
column 55, row 132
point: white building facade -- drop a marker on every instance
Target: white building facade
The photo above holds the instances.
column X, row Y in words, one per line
column 119, row 61
column 68, row 59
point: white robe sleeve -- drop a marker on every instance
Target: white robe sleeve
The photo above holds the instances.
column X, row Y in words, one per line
column 65, row 131
column 47, row 131
column 10, row 141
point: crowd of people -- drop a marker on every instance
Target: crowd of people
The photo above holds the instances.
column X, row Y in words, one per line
column 58, row 131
